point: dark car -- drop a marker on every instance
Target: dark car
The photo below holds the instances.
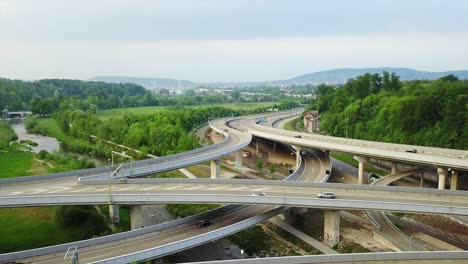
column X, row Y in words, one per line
column 298, row 136
column 203, row 223
column 411, row 151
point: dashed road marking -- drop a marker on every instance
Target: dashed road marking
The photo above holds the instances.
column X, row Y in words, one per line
column 127, row 188
column 15, row 193
column 59, row 189
column 81, row 190
column 150, row 188
column 171, row 188
column 239, row 188
column 38, row 191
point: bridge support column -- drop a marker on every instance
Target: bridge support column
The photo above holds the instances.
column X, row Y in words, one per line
column 454, row 181
column 331, row 233
column 136, row 217
column 442, row 176
column 215, row 169
column 421, row 180
column 114, row 213
column 239, row 159
column 274, row 147
column 298, row 155
column 394, row 168
column 256, row 146
column 361, row 161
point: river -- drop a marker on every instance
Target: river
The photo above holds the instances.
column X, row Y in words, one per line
column 44, row 143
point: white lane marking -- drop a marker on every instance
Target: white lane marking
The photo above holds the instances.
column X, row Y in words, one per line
column 174, row 237
column 99, row 256
column 81, row 190
column 195, row 187
column 150, row 188
column 240, row 188
column 216, row 188
column 15, row 193
column 38, row 191
column 125, row 189
column 230, row 219
column 101, row 190
column 171, row 188
column 59, row 189
column 259, row 189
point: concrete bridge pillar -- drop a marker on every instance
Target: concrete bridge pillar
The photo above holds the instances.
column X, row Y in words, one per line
column 421, row 179
column 136, row 217
column 256, row 146
column 442, row 176
column 394, row 168
column 361, row 161
column 114, row 213
column 215, row 169
column 274, row 146
column 239, row 159
column 454, row 181
column 331, row 233
column 298, row 155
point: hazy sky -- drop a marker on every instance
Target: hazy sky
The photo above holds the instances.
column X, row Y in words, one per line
column 237, row 40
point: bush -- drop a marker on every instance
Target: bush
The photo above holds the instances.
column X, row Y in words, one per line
column 260, row 164
column 252, row 240
column 42, row 154
column 84, row 218
column 273, row 168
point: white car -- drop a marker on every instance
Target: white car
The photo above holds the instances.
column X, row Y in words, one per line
column 326, row 195
column 259, row 194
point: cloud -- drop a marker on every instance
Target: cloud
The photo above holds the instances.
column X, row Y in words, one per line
column 232, row 60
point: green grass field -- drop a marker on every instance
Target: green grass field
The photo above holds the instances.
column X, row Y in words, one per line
column 24, row 228
column 14, row 164
column 117, row 112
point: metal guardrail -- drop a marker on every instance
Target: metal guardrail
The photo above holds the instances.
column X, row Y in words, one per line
column 386, row 257
column 116, row 237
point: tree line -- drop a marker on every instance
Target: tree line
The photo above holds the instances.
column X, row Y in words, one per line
column 382, row 108
column 44, row 97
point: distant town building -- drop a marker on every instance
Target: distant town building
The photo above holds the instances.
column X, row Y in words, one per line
column 15, row 114
column 312, row 121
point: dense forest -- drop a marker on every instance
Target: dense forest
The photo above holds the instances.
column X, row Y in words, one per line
column 382, row 108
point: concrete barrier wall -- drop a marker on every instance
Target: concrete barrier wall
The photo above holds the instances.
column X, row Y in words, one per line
column 388, row 257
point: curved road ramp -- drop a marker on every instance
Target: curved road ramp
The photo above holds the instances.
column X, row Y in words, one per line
column 433, row 257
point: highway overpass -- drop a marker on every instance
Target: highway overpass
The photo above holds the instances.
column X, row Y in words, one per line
column 292, row 194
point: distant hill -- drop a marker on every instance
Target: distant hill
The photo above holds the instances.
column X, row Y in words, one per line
column 338, row 76
column 148, row 83
column 335, row 76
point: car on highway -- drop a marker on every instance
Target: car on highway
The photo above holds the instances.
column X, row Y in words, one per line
column 326, row 195
column 411, row 151
column 259, row 194
column 298, row 136
column 203, row 223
